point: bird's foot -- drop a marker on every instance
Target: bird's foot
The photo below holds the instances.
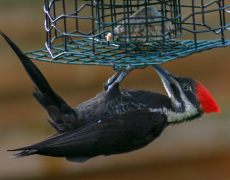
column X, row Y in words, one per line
column 116, row 79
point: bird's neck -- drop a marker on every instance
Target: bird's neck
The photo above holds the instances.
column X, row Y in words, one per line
column 182, row 110
column 178, row 115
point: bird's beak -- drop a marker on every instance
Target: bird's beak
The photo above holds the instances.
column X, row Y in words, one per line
column 168, row 80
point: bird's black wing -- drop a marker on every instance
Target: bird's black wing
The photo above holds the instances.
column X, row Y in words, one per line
column 117, row 134
column 62, row 115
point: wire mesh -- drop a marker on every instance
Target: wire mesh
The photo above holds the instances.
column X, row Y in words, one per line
column 125, row 32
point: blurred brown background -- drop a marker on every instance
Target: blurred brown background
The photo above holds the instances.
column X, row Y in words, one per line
column 193, row 150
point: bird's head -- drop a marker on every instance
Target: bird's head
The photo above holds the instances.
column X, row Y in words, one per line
column 187, row 94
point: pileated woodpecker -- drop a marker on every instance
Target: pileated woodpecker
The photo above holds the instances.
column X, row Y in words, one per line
column 115, row 121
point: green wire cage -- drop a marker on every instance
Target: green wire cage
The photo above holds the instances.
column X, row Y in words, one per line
column 136, row 33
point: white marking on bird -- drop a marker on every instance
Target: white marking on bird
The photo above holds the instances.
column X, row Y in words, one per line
column 175, row 117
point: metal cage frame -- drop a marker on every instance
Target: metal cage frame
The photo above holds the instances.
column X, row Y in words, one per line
column 195, row 25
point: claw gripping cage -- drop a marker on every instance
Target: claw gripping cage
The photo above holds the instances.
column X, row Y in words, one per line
column 137, row 33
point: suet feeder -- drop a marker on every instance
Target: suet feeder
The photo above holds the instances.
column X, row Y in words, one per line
column 122, row 33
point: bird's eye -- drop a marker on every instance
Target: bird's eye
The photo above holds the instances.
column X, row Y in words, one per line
column 186, row 87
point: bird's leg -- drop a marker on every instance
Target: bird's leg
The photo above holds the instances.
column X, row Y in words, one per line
column 116, row 79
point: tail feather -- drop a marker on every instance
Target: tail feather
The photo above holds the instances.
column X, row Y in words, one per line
column 63, row 116
column 34, row 73
column 23, row 153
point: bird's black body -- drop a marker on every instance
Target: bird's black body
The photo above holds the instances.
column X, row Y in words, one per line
column 110, row 136
column 105, row 105
column 115, row 121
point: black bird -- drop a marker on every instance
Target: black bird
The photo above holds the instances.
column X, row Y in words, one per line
column 115, row 121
